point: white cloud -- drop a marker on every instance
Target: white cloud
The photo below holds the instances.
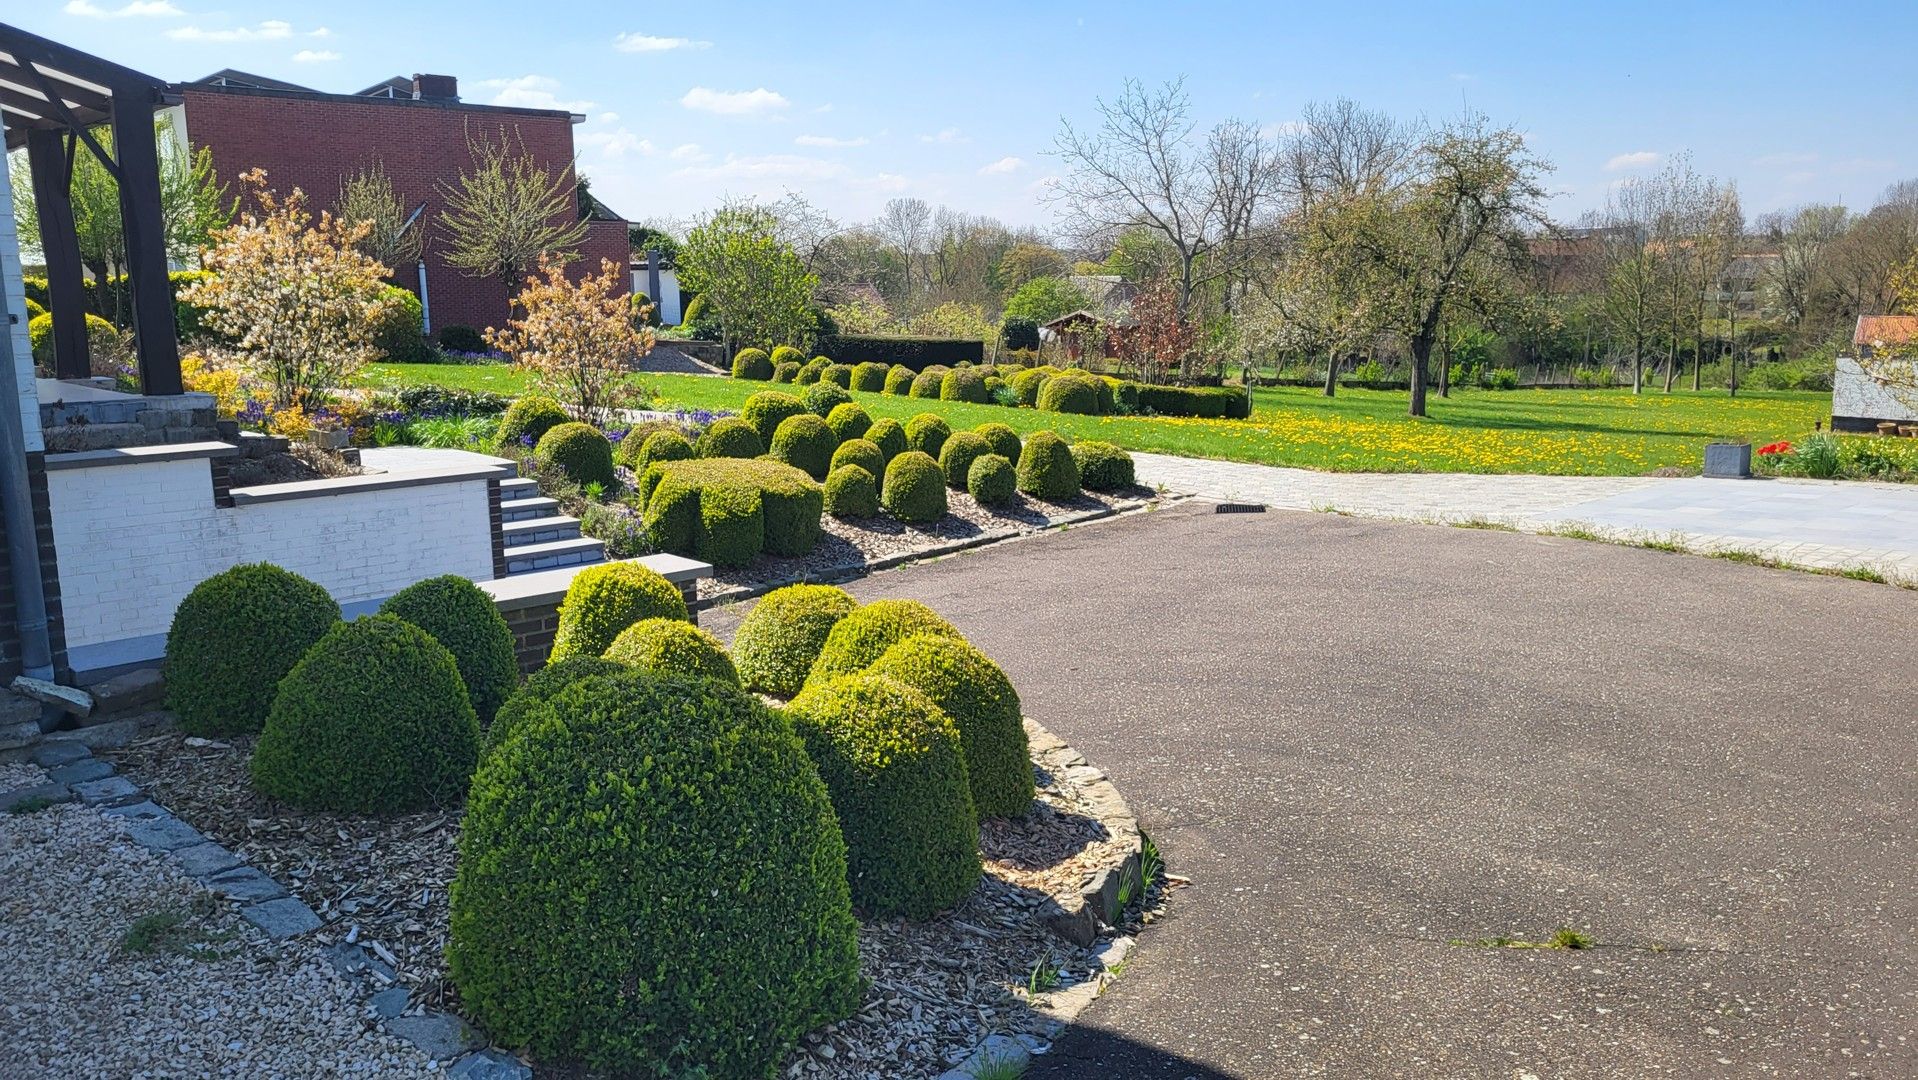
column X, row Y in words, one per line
column 947, row 135
column 767, row 167
column 734, row 102
column 647, row 43
column 270, row 30
column 830, row 141
column 615, row 144
column 532, row 92
column 689, row 152
column 315, row 56
column 135, row 9
column 885, row 181
column 1003, row 166
column 1637, row 159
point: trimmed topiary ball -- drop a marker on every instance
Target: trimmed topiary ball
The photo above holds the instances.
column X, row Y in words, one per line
column 851, row 492
column 1070, row 393
column 806, row 443
column 732, row 525
column 233, row 639
column 839, row 375
column 652, row 883
column 730, row 437
column 859, row 452
column 899, row 380
column 864, row 636
column 766, row 410
column 887, row 434
column 972, row 690
column 779, row 639
column 529, row 418
column 823, row 397
column 869, row 377
column 460, row 616
column 1046, row 467
column 539, row 689
column 752, row 364
column 608, row 598
column 927, row 433
column 915, row 488
column 1102, row 466
column 786, row 372
column 658, row 446
column 991, row 480
column 848, row 421
column 1003, row 440
column 372, row 720
column 811, row 370
column 672, row 647
column 964, row 384
column 893, row 765
column 957, row 456
column 579, row 450
column 926, row 384
column 786, row 354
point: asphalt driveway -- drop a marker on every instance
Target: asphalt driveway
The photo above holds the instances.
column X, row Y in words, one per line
column 1371, row 745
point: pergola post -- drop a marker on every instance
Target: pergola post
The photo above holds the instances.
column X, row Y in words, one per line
column 154, row 333
column 53, row 201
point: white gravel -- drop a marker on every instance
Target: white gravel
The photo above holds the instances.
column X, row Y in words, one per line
column 215, row 999
column 19, row 775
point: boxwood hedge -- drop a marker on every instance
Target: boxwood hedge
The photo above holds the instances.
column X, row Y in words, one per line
column 926, row 433
column 926, row 384
column 964, row 384
column 659, row 446
column 972, row 690
column 915, row 488
column 233, row 639
column 781, row 636
column 839, row 375
column 991, row 480
column 786, row 354
column 851, row 492
column 1046, row 467
column 463, row 618
column 1070, row 393
column 786, row 372
column 531, row 699
column 1102, row 466
column 672, row 647
column 863, row 636
column 766, row 410
column 605, row 599
column 1231, row 403
column 729, row 437
column 790, row 503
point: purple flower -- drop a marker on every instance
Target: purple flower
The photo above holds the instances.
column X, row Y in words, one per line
column 526, row 441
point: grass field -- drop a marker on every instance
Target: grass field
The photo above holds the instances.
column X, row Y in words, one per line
column 1567, row 432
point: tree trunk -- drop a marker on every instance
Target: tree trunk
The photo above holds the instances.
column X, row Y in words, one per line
column 1638, row 362
column 1331, row 373
column 1421, row 358
column 1445, row 370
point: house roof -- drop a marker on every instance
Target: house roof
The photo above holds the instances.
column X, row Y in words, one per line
column 250, row 81
column 1110, row 294
column 397, row 86
column 1885, row 330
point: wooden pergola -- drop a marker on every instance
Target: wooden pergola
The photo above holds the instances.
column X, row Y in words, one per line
column 52, row 98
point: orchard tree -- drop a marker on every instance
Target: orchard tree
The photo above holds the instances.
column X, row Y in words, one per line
column 578, row 339
column 757, row 285
column 1044, row 299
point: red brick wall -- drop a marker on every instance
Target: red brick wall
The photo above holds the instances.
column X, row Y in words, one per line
column 314, row 142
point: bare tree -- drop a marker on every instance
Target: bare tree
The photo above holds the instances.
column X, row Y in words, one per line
column 1801, row 275
column 907, row 226
column 507, row 210
column 1631, row 267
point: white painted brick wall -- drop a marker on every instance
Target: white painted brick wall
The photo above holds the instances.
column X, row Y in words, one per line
column 134, row 539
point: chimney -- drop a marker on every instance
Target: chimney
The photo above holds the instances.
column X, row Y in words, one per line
column 436, row 88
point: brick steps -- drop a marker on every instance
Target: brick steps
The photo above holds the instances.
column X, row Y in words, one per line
column 538, row 537
column 519, row 487
column 527, row 508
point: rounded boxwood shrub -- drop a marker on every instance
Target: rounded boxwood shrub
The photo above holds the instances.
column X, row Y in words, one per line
column 34, row 311
column 862, row 637
column 805, row 442
column 851, row 492
column 869, row 377
column 899, row 380
column 605, row 599
column 608, row 908
column 1102, row 466
column 823, row 397
column 786, row 372
column 790, row 503
column 862, row 453
column 991, row 480
column 672, row 647
column 539, row 689
column 897, row 776
column 786, row 354
column 658, row 446
column 455, row 337
column 1003, row 440
column 1070, row 394
column 529, row 418
column 811, row 370
column 1046, row 467
column 233, row 639
column 779, row 639
column 839, row 375
column 972, row 690
column 40, row 336
column 927, row 433
column 957, row 456
column 926, row 384
column 579, row 450
column 730, row 437
column 752, row 364
column 464, row 619
column 915, row 489
column 767, row 409
column 372, row 720
column 964, row 384
column 887, row 434
column 1026, row 385
column 732, row 525
column 848, row 421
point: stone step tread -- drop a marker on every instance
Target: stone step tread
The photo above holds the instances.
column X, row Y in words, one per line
column 523, row 509
column 554, row 547
column 519, row 487
column 535, row 530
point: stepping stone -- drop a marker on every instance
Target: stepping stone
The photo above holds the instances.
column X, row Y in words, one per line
column 166, row 833
column 389, row 1003
column 282, row 918
column 489, row 1065
column 205, row 860
column 244, row 883
column 80, row 771
column 441, row 1036
column 105, row 790
column 59, row 752
column 50, row 793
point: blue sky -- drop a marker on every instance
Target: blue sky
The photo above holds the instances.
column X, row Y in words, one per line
column 853, row 104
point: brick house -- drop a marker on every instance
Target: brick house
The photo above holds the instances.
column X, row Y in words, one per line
column 417, row 129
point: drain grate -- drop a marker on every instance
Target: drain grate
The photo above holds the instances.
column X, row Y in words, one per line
column 1238, row 508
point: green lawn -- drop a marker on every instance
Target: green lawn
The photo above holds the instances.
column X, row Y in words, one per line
column 1585, row 432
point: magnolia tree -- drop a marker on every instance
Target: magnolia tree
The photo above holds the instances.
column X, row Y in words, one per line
column 576, row 338
column 295, row 294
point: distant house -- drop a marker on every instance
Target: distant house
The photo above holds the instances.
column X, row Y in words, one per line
column 1860, row 402
column 417, row 129
column 1078, row 331
column 1742, row 280
column 1111, row 295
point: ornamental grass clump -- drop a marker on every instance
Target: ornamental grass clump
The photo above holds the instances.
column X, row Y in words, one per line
column 730, row 437
column 1102, row 466
column 766, row 410
column 460, row 616
column 782, row 635
column 752, row 364
column 899, row 379
column 893, row 765
column 823, row 397
column 889, row 436
column 862, row 453
column 372, row 720
column 672, row 647
column 806, row 443
column 848, row 421
column 927, row 433
column 1047, row 469
column 992, row 480
column 579, row 450
column 605, row 599
column 915, row 489
column 957, row 455
column 652, row 882
column 862, row 637
column 1003, row 440
column 972, row 690
column 233, row 639
column 528, row 418
column 851, row 493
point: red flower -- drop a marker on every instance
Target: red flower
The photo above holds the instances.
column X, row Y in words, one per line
column 1775, row 448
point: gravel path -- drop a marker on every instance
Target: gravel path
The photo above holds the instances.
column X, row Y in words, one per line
column 116, row 964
